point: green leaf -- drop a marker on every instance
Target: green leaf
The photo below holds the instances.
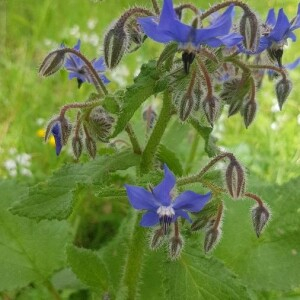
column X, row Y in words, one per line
column 89, row 268
column 136, row 94
column 54, row 199
column 170, row 158
column 270, row 262
column 29, row 251
column 167, row 54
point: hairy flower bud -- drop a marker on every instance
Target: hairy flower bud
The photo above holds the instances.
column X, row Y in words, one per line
column 212, row 237
column 116, row 43
column 52, row 62
column 260, row 217
column 186, row 106
column 249, row 29
column 157, row 239
column 283, row 89
column 249, row 111
column 235, row 179
column 66, row 128
column 175, row 247
column 211, row 107
column 91, row 146
column 149, row 115
column 100, row 123
column 77, row 146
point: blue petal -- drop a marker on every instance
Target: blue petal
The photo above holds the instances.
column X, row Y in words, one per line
column 296, row 23
column 56, row 131
column 167, row 14
column 162, row 190
column 151, row 29
column 99, row 64
column 292, row 36
column 271, row 18
column 190, row 201
column 78, row 76
column 77, row 46
column 150, row 218
column 140, row 198
column 182, row 214
column 228, row 40
column 281, row 28
column 104, row 79
column 293, row 65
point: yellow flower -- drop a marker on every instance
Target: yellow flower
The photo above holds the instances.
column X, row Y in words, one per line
column 41, row 133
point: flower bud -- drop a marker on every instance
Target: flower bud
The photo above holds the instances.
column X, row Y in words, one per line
column 186, row 106
column 235, row 179
column 149, row 115
column 66, row 128
column 211, row 107
column 91, row 146
column 100, row 123
column 116, row 43
column 157, row 239
column 283, row 89
column 249, row 111
column 212, row 237
column 249, row 29
column 52, row 62
column 77, row 146
column 260, row 217
column 200, row 223
column 175, row 247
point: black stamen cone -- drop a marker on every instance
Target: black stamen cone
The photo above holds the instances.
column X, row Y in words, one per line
column 165, row 222
column 277, row 54
column 187, row 59
column 79, row 82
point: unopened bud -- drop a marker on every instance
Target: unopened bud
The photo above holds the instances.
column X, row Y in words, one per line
column 249, row 111
column 200, row 223
column 157, row 239
column 66, row 128
column 77, row 146
column 100, row 123
column 52, row 62
column 212, row 237
column 211, row 107
column 283, row 89
column 260, row 217
column 91, row 146
column 186, row 106
column 149, row 115
column 175, row 247
column 249, row 29
column 116, row 42
column 235, row 179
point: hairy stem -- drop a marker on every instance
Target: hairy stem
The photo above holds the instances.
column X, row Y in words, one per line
column 255, row 198
column 90, row 104
column 134, row 142
column 206, row 77
column 157, row 133
column 155, row 7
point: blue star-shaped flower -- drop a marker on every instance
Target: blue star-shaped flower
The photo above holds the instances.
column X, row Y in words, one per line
column 78, row 69
column 168, row 28
column 56, row 132
column 159, row 205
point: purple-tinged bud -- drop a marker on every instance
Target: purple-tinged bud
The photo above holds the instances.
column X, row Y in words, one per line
column 200, row 223
column 235, row 179
column 249, row 112
column 157, row 239
column 66, row 128
column 212, row 237
column 186, row 106
column 100, row 123
column 260, row 217
column 175, row 247
column 283, row 89
column 52, row 62
column 116, row 43
column 77, row 146
column 211, row 107
column 149, row 115
column 250, row 30
column 91, row 146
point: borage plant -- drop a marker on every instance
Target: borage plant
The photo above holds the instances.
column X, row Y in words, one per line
column 212, row 63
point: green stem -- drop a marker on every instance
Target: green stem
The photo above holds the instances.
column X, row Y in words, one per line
column 192, row 154
column 133, row 139
column 134, row 260
column 157, row 133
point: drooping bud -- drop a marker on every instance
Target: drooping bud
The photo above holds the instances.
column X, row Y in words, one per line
column 250, row 30
column 187, row 58
column 200, row 223
column 212, row 237
column 249, row 111
column 91, row 146
column 235, row 179
column 157, row 239
column 100, row 123
column 77, row 146
column 186, row 106
column 52, row 62
column 149, row 115
column 116, row 42
column 283, row 89
column 260, row 216
column 211, row 107
column 66, row 128
column 175, row 246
